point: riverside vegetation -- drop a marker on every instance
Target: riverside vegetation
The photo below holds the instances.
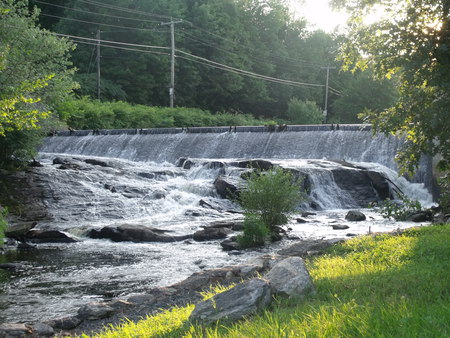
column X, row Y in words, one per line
column 380, row 285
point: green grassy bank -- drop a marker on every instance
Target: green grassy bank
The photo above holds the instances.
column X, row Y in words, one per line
column 371, row 286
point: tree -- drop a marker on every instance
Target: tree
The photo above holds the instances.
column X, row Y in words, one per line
column 412, row 42
column 304, row 112
column 35, row 74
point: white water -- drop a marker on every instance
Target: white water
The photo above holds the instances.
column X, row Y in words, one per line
column 151, row 191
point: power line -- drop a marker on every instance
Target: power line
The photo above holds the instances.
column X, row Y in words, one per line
column 98, row 23
column 94, row 13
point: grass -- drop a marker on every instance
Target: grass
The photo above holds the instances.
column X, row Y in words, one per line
column 371, row 286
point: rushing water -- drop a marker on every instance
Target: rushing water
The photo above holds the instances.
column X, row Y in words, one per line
column 142, row 186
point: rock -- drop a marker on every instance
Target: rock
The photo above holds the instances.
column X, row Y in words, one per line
column 235, row 225
column 306, row 214
column 228, row 186
column 211, row 234
column 14, row 330
column 59, row 160
column 11, row 266
column 242, row 300
column 96, row 162
column 290, row 277
column 119, row 304
column 255, row 164
column 146, row 175
column 43, row 330
column 229, row 244
column 20, row 230
column 141, row 299
column 133, row 233
column 422, row 216
column 69, row 166
column 50, row 236
column 304, row 248
column 339, row 226
column 300, row 220
column 65, row 323
column 95, row 311
column 355, row 216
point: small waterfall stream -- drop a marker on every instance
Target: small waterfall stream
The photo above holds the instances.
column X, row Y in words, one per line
column 142, row 185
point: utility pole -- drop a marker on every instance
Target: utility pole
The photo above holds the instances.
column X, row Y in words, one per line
column 172, row 59
column 98, row 65
column 325, row 109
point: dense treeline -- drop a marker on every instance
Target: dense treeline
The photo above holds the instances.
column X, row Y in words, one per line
column 256, row 36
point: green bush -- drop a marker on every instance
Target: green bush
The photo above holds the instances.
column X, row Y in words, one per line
column 303, row 112
column 85, row 113
column 268, row 199
column 255, row 232
column 3, row 223
column 399, row 210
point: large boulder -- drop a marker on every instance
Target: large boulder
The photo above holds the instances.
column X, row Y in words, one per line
column 355, row 216
column 50, row 236
column 134, row 233
column 15, row 330
column 242, row 300
column 95, row 311
column 228, row 186
column 290, row 277
column 20, row 230
column 211, row 234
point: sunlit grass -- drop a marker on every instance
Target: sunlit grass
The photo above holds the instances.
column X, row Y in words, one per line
column 382, row 286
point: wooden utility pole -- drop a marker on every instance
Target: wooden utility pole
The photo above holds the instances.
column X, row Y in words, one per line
column 172, row 59
column 98, row 65
column 325, row 109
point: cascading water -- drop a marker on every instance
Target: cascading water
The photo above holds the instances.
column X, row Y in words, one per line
column 141, row 185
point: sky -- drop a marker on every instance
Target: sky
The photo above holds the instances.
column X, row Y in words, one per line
column 318, row 13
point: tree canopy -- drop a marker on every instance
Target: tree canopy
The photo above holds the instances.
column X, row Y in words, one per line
column 35, row 73
column 410, row 42
column 215, row 40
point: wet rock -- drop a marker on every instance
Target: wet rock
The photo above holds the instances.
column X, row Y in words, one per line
column 211, row 234
column 11, row 266
column 95, row 311
column 59, row 160
column 305, row 248
column 19, row 231
column 306, row 214
column 96, row 162
column 119, row 304
column 230, row 244
column 69, row 166
column 50, row 236
column 235, row 225
column 422, row 216
column 15, row 330
column 147, row 175
column 355, row 216
column 43, row 330
column 339, row 226
column 256, row 164
column 65, row 323
column 290, row 277
column 300, row 220
column 133, row 233
column 242, row 300
column 141, row 299
column 228, row 186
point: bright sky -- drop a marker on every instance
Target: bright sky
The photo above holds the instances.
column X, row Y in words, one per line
column 318, row 13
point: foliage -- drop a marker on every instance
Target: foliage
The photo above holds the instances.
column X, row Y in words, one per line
column 411, row 41
column 255, row 233
column 3, row 223
column 444, row 200
column 259, row 37
column 399, row 210
column 34, row 74
column 303, row 112
column 89, row 114
column 269, row 197
column 383, row 286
